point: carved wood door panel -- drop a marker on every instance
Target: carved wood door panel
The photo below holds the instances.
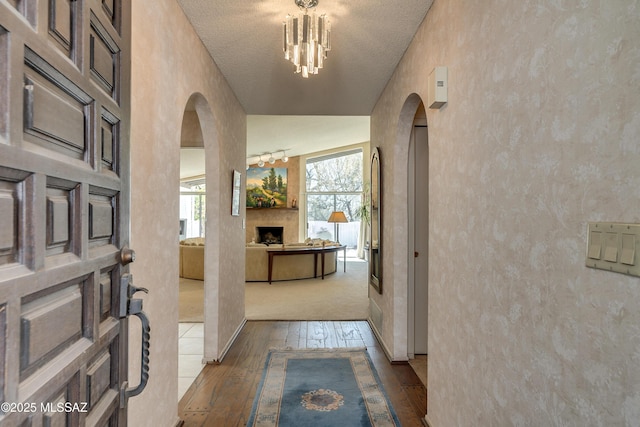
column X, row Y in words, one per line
column 64, row 210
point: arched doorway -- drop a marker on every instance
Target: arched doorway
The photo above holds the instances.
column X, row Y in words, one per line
column 192, row 232
column 198, row 221
column 412, row 135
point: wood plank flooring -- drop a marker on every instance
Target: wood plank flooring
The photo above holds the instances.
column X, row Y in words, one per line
column 222, row 395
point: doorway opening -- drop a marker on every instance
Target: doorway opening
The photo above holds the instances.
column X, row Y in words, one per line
column 192, row 219
column 418, row 247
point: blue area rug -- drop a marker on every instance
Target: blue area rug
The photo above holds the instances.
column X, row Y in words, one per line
column 323, row 387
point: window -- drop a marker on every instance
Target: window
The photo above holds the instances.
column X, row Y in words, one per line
column 334, row 183
column 192, row 209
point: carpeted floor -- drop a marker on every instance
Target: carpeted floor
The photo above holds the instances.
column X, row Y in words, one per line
column 191, row 301
column 340, row 296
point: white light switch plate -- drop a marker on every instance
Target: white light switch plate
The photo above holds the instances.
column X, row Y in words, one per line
column 614, row 246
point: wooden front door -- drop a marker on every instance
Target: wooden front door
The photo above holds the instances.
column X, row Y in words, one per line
column 64, row 210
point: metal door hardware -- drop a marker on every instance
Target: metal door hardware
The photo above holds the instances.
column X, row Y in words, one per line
column 133, row 306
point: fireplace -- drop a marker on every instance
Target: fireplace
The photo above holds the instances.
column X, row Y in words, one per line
column 269, row 235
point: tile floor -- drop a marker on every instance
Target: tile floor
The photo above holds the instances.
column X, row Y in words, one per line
column 190, row 354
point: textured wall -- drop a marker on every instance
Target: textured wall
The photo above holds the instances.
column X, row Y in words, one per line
column 169, row 66
column 191, row 133
column 540, row 136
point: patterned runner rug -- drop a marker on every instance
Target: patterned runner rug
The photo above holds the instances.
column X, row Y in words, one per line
column 321, row 387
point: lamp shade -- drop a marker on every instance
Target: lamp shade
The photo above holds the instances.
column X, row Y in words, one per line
column 337, row 216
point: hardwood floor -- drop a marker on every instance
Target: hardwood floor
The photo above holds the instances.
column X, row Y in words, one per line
column 222, row 395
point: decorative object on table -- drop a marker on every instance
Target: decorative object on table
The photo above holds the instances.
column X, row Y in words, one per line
column 337, row 217
column 337, row 387
column 267, row 188
column 235, row 198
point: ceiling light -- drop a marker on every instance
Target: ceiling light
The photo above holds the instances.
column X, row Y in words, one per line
column 306, row 38
column 272, row 159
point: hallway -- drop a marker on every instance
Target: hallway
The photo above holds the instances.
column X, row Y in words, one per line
column 222, row 395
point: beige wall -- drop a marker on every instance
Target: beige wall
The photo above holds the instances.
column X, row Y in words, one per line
column 191, row 133
column 169, row 66
column 287, row 218
column 539, row 137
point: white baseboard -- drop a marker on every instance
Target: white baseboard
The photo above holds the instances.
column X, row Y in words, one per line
column 378, row 335
column 426, row 421
column 226, row 348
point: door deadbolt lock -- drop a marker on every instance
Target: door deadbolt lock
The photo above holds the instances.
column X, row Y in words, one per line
column 127, row 255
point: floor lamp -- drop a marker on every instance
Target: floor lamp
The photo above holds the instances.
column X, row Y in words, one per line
column 337, row 217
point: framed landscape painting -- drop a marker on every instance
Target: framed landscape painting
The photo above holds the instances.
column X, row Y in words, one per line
column 267, row 188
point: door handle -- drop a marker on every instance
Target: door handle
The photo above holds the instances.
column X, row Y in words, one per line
column 416, row 254
column 133, row 306
column 127, row 255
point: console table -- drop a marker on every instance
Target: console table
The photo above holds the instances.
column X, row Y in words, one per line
column 315, row 251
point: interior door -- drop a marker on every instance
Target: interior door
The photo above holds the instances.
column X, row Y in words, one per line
column 64, row 210
column 421, row 238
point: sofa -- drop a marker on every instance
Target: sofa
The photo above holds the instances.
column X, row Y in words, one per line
column 192, row 258
column 288, row 267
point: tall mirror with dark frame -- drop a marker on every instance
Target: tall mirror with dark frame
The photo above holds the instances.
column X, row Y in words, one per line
column 375, row 232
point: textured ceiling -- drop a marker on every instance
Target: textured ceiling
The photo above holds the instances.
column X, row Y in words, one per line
column 245, row 39
column 327, row 110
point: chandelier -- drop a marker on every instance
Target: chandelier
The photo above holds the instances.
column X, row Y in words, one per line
column 307, row 38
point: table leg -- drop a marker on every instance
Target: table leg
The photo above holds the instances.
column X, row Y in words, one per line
column 345, row 259
column 322, row 255
column 270, row 266
column 315, row 265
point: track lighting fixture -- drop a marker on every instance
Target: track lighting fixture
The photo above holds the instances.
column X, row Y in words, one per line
column 272, row 159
